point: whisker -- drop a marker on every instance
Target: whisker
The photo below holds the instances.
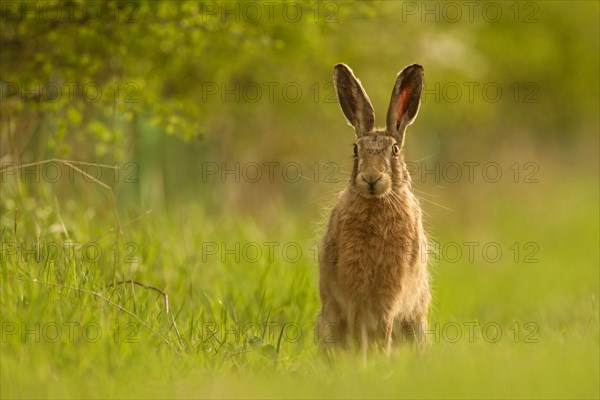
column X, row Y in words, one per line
column 434, row 203
column 423, row 192
column 424, row 158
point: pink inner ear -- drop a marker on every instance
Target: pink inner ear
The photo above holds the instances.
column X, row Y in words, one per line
column 403, row 101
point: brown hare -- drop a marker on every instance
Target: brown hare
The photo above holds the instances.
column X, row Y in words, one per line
column 374, row 280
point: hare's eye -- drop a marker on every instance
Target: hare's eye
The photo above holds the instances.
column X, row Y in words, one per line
column 355, row 150
column 395, row 149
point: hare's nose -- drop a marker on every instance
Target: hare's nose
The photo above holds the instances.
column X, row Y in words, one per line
column 371, row 179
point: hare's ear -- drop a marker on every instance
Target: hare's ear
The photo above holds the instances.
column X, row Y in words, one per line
column 354, row 101
column 404, row 104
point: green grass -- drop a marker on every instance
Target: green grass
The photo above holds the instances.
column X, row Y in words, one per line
column 131, row 346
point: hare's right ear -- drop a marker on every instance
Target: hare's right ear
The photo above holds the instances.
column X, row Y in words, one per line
column 354, row 101
column 404, row 104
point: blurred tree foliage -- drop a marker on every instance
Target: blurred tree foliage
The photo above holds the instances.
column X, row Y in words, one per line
column 79, row 72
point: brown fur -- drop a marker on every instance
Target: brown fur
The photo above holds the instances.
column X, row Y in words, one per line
column 374, row 281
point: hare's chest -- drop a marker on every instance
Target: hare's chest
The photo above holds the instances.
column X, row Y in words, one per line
column 372, row 256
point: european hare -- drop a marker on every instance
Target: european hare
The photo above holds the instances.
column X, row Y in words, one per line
column 374, row 281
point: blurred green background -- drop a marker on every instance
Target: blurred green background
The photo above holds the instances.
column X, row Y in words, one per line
column 218, row 146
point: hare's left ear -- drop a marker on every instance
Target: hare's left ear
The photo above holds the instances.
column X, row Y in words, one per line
column 354, row 101
column 404, row 104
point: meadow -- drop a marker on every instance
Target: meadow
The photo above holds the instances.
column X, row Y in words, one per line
column 242, row 301
column 147, row 254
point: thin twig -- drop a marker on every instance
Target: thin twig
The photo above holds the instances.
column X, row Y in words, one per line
column 133, row 282
column 161, row 292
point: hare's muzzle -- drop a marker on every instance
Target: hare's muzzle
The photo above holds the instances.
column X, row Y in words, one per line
column 373, row 183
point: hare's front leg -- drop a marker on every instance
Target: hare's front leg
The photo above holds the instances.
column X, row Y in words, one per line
column 331, row 327
column 419, row 323
column 351, row 327
column 413, row 330
column 420, row 330
column 388, row 330
column 357, row 330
